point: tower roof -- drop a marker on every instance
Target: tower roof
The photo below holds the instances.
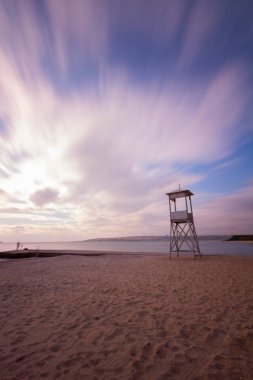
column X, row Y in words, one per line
column 179, row 194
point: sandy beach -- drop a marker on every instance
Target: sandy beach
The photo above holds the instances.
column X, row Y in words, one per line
column 126, row 317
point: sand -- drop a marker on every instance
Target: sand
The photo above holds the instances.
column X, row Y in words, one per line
column 126, row 317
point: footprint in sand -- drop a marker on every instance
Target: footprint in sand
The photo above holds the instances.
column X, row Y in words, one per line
column 146, row 350
column 95, row 362
column 192, row 353
column 161, row 352
column 185, row 332
column 55, row 348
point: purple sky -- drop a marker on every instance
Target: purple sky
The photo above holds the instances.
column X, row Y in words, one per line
column 107, row 105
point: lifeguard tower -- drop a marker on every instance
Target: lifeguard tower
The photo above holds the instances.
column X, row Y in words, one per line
column 183, row 237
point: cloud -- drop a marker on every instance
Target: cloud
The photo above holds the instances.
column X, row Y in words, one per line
column 202, row 24
column 78, row 32
column 160, row 23
column 49, row 37
column 119, row 152
column 44, row 196
column 103, row 155
column 231, row 214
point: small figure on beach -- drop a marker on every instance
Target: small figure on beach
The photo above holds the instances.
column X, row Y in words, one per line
column 18, row 245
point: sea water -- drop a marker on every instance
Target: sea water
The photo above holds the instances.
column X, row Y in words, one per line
column 212, row 247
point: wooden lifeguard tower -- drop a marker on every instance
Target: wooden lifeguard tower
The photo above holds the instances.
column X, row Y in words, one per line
column 183, row 237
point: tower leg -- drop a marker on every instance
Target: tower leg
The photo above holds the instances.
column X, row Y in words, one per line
column 195, row 238
column 183, row 238
column 170, row 240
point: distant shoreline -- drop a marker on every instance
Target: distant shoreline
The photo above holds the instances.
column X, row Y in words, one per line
column 143, row 238
column 241, row 238
column 157, row 238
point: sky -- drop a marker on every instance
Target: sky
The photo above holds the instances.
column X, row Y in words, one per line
column 106, row 105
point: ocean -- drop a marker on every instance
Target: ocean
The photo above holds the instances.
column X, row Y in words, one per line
column 146, row 246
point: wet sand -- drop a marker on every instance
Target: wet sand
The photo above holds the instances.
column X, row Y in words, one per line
column 126, row 317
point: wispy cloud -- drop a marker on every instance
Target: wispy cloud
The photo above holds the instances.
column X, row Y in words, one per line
column 231, row 214
column 202, row 24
